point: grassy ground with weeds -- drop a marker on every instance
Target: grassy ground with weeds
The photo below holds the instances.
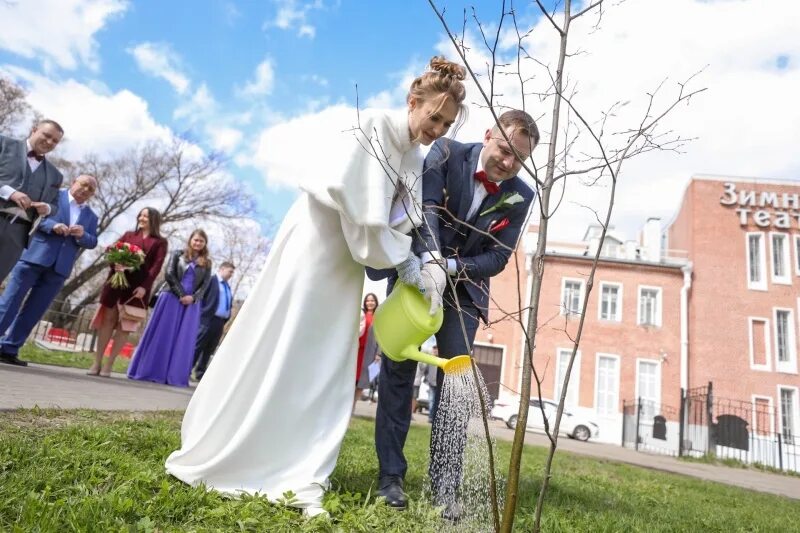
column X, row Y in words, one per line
column 98, row 471
column 34, row 354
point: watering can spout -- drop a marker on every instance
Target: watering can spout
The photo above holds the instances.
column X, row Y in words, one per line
column 403, row 322
column 457, row 365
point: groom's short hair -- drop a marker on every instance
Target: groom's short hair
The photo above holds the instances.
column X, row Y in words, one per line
column 226, row 264
column 520, row 122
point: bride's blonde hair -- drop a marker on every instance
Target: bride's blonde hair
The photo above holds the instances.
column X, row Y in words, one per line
column 442, row 81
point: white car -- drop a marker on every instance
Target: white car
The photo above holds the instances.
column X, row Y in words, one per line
column 573, row 425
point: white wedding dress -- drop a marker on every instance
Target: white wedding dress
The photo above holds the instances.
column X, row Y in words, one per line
column 273, row 407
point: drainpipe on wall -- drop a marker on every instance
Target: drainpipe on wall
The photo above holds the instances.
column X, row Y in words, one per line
column 687, row 284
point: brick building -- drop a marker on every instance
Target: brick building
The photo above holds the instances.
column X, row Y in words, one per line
column 712, row 296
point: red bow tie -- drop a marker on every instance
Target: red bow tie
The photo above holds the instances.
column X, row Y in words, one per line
column 490, row 186
column 36, row 156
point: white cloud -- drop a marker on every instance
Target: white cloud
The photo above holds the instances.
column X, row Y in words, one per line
column 104, row 123
column 293, row 14
column 158, row 60
column 224, row 138
column 283, row 154
column 262, row 82
column 60, row 33
column 316, row 79
column 199, row 106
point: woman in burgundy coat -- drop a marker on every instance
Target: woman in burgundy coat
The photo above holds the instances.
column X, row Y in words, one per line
column 140, row 281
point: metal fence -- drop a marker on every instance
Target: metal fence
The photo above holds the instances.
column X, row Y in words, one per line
column 65, row 330
column 749, row 432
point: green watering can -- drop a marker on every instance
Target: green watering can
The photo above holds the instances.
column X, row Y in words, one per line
column 403, row 322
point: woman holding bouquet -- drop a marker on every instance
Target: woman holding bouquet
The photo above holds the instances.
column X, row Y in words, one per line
column 166, row 351
column 139, row 281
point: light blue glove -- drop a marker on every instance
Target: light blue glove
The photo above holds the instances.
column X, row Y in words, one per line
column 409, row 271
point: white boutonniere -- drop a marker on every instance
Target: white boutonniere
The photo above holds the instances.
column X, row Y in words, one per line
column 506, row 200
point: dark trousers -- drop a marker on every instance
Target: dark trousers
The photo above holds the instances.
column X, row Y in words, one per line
column 396, row 387
column 13, row 240
column 208, row 337
column 43, row 284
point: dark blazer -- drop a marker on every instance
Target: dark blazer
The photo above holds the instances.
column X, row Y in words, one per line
column 448, row 181
column 57, row 251
column 211, row 300
column 176, row 268
column 41, row 186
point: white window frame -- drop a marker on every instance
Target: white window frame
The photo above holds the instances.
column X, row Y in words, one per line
column 797, row 255
column 790, row 366
column 767, row 367
column 795, row 407
column 760, row 285
column 787, row 259
column 574, row 380
column 618, row 317
column 754, row 421
column 597, row 382
column 659, row 305
column 657, row 362
column 563, row 309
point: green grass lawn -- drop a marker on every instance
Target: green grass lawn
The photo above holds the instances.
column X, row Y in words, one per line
column 35, row 354
column 99, row 471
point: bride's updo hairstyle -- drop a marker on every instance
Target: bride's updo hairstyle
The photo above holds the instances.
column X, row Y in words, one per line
column 442, row 80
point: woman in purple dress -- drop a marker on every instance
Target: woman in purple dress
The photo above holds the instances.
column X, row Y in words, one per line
column 166, row 351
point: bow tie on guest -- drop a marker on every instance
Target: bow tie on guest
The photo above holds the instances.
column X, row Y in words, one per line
column 490, row 186
column 36, row 156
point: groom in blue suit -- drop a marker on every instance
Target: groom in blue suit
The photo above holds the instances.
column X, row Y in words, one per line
column 45, row 265
column 474, row 207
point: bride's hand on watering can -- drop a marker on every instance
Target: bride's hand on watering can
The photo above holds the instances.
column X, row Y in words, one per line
column 434, row 280
column 408, row 272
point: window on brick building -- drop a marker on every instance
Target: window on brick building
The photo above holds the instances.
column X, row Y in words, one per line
column 759, row 332
column 574, row 379
column 797, row 254
column 607, row 390
column 780, row 258
column 785, row 351
column 762, row 415
column 788, row 402
column 611, row 302
column 648, row 387
column 571, row 297
column 756, row 262
column 649, row 306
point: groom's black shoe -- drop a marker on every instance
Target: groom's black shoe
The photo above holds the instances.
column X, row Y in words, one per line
column 391, row 488
column 12, row 359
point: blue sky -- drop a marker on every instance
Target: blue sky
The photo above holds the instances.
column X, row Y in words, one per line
column 317, row 52
column 247, row 77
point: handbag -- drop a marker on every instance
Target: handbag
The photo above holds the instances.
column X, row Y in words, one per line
column 132, row 313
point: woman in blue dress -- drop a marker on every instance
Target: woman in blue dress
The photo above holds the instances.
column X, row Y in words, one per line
column 166, row 351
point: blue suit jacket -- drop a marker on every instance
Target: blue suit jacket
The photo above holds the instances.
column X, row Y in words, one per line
column 52, row 250
column 448, row 181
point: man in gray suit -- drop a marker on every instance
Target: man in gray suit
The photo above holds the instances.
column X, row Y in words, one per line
column 29, row 186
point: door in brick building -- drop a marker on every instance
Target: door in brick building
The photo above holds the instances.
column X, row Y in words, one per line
column 489, row 359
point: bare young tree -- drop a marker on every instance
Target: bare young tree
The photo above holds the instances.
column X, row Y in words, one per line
column 584, row 144
column 13, row 105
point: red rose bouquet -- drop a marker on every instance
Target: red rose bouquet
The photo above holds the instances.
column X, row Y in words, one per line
column 128, row 256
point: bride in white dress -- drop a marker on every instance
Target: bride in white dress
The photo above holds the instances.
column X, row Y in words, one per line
column 272, row 409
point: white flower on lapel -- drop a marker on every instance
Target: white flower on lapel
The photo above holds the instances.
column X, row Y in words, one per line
column 505, row 201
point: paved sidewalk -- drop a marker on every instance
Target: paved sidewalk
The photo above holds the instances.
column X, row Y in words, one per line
column 70, row 388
